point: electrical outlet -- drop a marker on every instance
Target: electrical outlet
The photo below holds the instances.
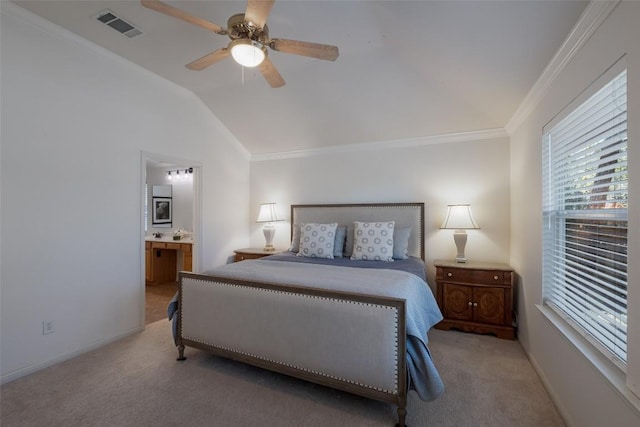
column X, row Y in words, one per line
column 47, row 327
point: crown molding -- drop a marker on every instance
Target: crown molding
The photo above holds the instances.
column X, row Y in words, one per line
column 385, row 145
column 594, row 14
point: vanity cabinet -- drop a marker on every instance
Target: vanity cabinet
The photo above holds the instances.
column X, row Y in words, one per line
column 161, row 260
column 476, row 297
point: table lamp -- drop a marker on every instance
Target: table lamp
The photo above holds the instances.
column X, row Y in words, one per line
column 459, row 218
column 268, row 214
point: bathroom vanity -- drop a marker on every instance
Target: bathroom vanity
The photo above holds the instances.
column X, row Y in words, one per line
column 164, row 257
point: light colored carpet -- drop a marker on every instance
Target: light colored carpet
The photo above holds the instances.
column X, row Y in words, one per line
column 137, row 382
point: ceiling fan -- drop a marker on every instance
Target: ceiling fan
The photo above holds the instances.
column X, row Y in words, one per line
column 249, row 36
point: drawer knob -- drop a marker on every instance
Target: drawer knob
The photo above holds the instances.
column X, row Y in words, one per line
column 449, row 274
column 495, row 277
column 470, row 303
column 475, row 304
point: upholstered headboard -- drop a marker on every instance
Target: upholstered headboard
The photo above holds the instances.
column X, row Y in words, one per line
column 404, row 214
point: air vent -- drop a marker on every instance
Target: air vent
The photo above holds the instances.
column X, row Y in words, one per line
column 120, row 25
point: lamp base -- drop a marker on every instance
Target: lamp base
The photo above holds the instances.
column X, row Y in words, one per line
column 269, row 231
column 460, row 239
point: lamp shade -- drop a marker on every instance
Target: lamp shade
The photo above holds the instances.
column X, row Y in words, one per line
column 459, row 217
column 268, row 213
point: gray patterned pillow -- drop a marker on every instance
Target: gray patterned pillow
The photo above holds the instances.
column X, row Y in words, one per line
column 373, row 241
column 317, row 240
column 338, row 244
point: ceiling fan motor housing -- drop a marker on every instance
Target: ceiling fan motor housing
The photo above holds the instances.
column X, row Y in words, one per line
column 238, row 28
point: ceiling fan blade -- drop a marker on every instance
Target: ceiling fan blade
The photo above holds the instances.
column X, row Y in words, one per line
column 258, row 11
column 209, row 59
column 270, row 73
column 161, row 7
column 313, row 50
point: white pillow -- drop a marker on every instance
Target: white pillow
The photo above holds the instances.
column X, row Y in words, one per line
column 373, row 241
column 317, row 240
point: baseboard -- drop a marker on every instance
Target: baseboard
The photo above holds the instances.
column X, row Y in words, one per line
column 23, row 372
column 547, row 385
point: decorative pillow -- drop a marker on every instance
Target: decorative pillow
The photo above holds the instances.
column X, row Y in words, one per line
column 338, row 245
column 317, row 240
column 373, row 241
column 295, row 239
column 401, row 242
column 348, row 246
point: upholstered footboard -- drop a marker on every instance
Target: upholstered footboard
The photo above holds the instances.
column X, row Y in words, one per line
column 351, row 342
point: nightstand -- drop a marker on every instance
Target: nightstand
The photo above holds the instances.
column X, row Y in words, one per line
column 476, row 297
column 253, row 253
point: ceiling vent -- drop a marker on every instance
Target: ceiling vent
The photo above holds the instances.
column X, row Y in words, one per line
column 120, row 25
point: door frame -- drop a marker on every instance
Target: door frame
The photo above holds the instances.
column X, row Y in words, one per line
column 146, row 158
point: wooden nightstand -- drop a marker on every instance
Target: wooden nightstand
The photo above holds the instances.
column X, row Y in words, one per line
column 253, row 253
column 476, row 297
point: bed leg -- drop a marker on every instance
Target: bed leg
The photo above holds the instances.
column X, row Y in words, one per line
column 181, row 353
column 402, row 413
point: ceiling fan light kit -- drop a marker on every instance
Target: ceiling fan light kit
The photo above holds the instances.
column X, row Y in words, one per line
column 249, row 36
column 247, row 53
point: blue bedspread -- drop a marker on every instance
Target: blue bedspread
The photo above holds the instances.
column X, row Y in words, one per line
column 411, row 265
column 422, row 312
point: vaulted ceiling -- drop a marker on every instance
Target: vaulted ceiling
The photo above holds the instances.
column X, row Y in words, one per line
column 407, row 69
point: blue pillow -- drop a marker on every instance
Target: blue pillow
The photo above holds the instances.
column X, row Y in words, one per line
column 401, row 242
column 338, row 246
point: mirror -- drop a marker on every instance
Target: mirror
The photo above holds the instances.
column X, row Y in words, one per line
column 161, row 191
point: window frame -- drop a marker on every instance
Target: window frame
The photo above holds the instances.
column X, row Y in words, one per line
column 548, row 219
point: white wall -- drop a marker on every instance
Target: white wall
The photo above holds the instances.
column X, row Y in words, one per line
column 583, row 395
column 475, row 172
column 75, row 123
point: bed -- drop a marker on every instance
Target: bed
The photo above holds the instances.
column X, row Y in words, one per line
column 358, row 325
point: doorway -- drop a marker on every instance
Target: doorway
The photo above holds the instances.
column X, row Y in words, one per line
column 170, row 230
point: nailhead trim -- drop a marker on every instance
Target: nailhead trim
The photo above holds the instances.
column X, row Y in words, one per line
column 393, row 392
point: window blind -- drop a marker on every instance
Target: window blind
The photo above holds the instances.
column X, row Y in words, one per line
column 585, row 191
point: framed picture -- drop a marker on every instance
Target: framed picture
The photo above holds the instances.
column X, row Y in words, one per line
column 162, row 211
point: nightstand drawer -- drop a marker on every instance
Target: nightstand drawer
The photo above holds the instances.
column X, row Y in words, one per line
column 253, row 253
column 486, row 277
column 242, row 257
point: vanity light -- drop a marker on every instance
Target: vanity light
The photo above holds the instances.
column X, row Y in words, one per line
column 176, row 173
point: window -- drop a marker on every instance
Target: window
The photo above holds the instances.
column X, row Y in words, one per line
column 585, row 191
